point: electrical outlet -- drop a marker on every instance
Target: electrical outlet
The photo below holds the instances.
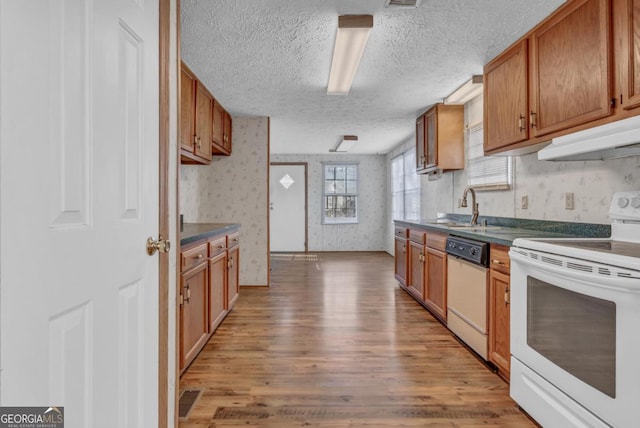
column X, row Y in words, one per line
column 524, row 202
column 568, row 201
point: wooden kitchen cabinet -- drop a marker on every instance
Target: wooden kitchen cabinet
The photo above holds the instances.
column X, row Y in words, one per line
column 626, row 30
column 416, row 262
column 195, row 119
column 441, row 145
column 193, row 313
column 556, row 79
column 400, row 255
column 202, row 122
column 233, row 263
column 506, row 102
column 220, row 142
column 420, row 159
column 436, row 275
column 217, row 282
column 499, row 310
column 570, row 67
column 208, row 290
column 188, row 82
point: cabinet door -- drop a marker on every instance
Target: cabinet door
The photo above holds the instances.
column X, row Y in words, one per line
column 401, row 260
column 627, row 55
column 506, row 102
column 193, row 314
column 217, row 134
column 204, row 116
column 431, row 142
column 420, row 159
column 227, row 129
column 499, row 322
column 217, row 290
column 436, row 282
column 570, row 68
column 415, row 279
column 233, row 264
column 187, row 109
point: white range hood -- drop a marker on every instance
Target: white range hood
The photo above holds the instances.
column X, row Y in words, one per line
column 613, row 140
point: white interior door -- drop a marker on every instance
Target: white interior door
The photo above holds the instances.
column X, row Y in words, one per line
column 288, row 224
column 78, row 198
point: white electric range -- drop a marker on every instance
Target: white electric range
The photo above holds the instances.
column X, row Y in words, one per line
column 575, row 324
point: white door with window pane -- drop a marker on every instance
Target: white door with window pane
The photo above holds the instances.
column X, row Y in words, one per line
column 288, row 214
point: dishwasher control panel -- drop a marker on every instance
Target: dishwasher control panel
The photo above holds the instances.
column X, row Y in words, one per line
column 472, row 251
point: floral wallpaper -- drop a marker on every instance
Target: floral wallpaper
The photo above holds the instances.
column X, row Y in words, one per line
column 369, row 233
column 543, row 182
column 234, row 189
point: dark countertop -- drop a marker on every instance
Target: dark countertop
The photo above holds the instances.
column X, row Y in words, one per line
column 192, row 232
column 503, row 230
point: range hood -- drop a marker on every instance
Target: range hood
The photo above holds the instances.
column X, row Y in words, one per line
column 613, row 140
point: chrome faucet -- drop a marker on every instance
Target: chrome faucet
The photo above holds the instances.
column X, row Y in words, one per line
column 463, row 203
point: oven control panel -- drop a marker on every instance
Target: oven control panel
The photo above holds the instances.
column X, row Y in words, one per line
column 625, row 206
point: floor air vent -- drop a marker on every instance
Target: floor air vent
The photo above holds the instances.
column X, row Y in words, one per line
column 187, row 400
column 403, row 3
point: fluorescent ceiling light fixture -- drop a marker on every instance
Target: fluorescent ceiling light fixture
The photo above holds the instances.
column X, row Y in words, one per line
column 347, row 143
column 353, row 32
column 471, row 89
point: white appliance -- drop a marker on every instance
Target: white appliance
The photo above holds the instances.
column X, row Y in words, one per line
column 612, row 140
column 575, row 325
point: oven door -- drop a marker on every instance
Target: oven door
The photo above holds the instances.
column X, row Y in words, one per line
column 575, row 324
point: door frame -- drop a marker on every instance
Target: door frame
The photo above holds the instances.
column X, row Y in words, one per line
column 306, row 199
column 164, row 158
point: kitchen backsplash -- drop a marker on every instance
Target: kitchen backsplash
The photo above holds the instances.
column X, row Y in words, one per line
column 234, row 189
column 369, row 233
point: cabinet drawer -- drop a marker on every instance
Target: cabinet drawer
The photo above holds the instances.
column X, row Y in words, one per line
column 194, row 256
column 437, row 240
column 401, row 232
column 418, row 236
column 233, row 239
column 217, row 246
column 499, row 258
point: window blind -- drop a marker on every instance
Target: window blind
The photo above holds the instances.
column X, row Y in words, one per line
column 486, row 172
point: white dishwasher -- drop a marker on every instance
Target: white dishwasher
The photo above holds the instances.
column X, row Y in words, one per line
column 467, row 292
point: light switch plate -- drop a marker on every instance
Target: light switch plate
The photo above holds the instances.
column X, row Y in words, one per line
column 524, row 202
column 568, row 201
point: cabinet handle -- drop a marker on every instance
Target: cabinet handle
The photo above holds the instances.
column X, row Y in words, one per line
column 497, row 262
column 532, row 117
column 220, row 247
column 506, row 296
column 404, row 248
column 199, row 256
column 521, row 123
column 188, row 298
column 181, row 299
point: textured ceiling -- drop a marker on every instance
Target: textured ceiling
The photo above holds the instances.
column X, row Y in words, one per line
column 272, row 58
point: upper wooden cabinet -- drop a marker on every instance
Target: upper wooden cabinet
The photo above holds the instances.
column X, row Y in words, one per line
column 555, row 80
column 570, row 67
column 626, row 30
column 220, row 142
column 202, row 122
column 440, row 144
column 506, row 102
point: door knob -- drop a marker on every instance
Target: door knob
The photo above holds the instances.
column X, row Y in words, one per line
column 162, row 245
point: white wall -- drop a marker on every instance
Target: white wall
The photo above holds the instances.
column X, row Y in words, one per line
column 234, row 189
column 369, row 233
column 543, row 182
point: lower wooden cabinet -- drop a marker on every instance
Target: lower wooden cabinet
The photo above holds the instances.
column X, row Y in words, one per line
column 436, row 283
column 401, row 262
column 193, row 313
column 233, row 262
column 208, row 290
column 499, row 310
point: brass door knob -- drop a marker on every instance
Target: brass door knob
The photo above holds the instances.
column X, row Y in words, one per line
column 162, row 245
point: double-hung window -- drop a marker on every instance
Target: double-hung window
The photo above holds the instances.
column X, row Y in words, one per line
column 405, row 187
column 340, row 193
column 486, row 172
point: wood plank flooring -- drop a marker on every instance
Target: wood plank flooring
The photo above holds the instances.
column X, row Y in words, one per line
column 336, row 343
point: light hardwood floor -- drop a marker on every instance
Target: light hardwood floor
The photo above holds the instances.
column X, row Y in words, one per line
column 336, row 343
